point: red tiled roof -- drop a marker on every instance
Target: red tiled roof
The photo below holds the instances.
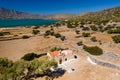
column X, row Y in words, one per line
column 55, row 53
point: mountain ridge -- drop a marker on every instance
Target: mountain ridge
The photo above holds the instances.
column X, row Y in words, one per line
column 106, row 14
column 110, row 13
column 8, row 13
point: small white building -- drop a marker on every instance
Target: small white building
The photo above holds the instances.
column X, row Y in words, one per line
column 61, row 56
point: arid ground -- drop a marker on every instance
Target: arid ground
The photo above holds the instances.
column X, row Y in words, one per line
column 84, row 70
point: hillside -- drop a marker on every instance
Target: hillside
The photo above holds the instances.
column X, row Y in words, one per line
column 61, row 16
column 107, row 14
column 7, row 13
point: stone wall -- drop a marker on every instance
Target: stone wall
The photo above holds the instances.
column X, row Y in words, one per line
column 104, row 63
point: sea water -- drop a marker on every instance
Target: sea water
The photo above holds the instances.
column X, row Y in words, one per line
column 25, row 22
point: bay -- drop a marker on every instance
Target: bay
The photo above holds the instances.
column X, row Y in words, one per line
column 25, row 22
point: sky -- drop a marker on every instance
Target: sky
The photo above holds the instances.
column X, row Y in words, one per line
column 59, row 6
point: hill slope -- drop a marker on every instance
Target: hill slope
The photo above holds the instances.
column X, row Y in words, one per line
column 60, row 16
column 7, row 13
column 107, row 14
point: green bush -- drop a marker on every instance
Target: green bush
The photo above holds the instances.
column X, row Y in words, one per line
column 81, row 26
column 116, row 38
column 57, row 49
column 57, row 35
column 62, row 38
column 25, row 37
column 101, row 29
column 4, row 33
column 17, row 71
column 85, row 28
column 52, row 33
column 40, row 67
column 29, row 56
column 1, row 34
column 79, row 43
column 69, row 25
column 94, row 28
column 35, row 32
column 77, row 31
column 93, row 39
column 94, row 50
column 85, row 34
column 57, row 24
column 115, row 31
column 5, row 62
column 49, row 32
column 54, row 49
column 10, row 70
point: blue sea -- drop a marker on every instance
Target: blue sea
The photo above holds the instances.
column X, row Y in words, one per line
column 25, row 22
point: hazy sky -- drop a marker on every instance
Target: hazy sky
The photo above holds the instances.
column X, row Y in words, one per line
column 59, row 6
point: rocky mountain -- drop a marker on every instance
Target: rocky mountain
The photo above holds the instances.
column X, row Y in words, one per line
column 7, row 13
column 107, row 14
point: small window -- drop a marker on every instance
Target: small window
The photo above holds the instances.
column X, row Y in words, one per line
column 65, row 59
column 75, row 56
column 73, row 69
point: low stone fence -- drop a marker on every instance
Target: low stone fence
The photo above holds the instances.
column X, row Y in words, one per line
column 104, row 63
column 112, row 55
column 9, row 38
